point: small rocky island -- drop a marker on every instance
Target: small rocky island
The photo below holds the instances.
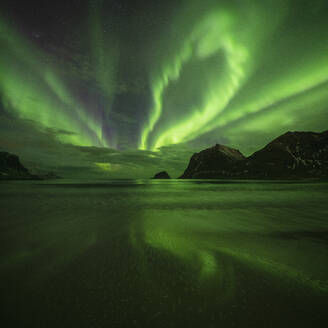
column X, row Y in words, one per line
column 161, row 175
column 293, row 155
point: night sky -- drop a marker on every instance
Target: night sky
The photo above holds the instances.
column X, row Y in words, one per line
column 128, row 88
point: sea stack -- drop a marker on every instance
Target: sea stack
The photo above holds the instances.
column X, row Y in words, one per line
column 161, row 175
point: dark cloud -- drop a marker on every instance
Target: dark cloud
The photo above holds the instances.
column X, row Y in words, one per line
column 41, row 152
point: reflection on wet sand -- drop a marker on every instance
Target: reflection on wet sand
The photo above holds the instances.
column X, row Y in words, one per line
column 164, row 254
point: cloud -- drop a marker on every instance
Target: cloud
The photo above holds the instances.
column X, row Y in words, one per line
column 40, row 150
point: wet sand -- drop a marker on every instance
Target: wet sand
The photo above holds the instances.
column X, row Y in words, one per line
column 163, row 254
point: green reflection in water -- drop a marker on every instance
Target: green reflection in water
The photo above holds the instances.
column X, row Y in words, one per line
column 204, row 246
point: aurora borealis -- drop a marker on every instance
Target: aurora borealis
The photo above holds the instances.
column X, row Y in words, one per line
column 125, row 88
column 147, row 175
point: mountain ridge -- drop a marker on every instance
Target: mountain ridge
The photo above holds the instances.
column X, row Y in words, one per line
column 298, row 154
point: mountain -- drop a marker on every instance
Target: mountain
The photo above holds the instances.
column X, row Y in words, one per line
column 212, row 162
column 293, row 155
column 162, row 175
column 11, row 168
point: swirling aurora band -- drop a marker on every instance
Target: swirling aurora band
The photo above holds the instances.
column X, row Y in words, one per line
column 219, row 32
column 227, row 68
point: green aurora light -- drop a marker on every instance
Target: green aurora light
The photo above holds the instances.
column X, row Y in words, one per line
column 33, row 90
column 183, row 237
column 237, row 35
column 218, row 70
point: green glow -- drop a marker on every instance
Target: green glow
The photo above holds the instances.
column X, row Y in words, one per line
column 103, row 52
column 218, row 97
column 171, row 236
column 219, row 70
column 282, row 115
column 215, row 34
column 182, row 235
column 168, row 74
column 108, row 166
column 32, row 89
column 234, row 99
column 302, row 80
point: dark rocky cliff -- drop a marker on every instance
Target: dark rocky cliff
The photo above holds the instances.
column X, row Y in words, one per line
column 11, row 168
column 209, row 162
